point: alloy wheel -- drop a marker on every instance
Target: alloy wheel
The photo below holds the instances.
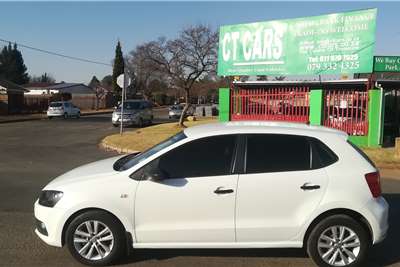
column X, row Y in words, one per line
column 338, row 245
column 93, row 240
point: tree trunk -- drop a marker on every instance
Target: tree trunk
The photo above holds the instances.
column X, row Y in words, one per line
column 187, row 104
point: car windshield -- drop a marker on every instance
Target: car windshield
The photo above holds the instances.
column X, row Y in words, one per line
column 130, row 105
column 131, row 160
column 176, row 108
column 56, row 105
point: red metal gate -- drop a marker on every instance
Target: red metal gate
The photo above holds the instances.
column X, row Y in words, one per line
column 279, row 104
column 347, row 110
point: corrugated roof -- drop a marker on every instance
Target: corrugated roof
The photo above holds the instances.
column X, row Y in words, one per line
column 64, row 85
column 10, row 86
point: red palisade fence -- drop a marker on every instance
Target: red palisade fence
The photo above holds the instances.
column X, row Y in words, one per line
column 347, row 110
column 279, row 104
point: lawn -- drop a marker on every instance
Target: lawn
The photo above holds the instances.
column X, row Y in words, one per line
column 144, row 138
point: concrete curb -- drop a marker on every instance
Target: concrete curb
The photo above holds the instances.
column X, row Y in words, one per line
column 103, row 145
column 44, row 117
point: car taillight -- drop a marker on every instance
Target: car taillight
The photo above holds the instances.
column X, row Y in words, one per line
column 374, row 183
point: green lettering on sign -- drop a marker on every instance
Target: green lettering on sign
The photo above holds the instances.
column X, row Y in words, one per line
column 386, row 64
column 328, row 44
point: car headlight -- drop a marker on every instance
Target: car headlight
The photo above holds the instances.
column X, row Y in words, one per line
column 49, row 198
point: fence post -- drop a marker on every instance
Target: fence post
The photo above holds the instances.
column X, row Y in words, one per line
column 375, row 117
column 224, row 104
column 316, row 106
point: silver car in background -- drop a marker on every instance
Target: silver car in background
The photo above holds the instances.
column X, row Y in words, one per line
column 135, row 112
column 175, row 111
column 64, row 109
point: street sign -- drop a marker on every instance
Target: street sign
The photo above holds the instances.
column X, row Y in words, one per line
column 387, row 64
column 328, row 44
column 120, row 80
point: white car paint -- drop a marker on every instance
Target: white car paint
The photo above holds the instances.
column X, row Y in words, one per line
column 267, row 211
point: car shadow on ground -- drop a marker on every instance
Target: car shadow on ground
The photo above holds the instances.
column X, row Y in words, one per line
column 382, row 254
column 388, row 251
column 140, row 255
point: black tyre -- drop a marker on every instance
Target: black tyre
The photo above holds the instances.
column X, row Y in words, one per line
column 96, row 238
column 115, row 125
column 78, row 115
column 65, row 115
column 338, row 240
column 50, row 117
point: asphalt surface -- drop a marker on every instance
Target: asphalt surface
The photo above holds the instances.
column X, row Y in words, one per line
column 34, row 152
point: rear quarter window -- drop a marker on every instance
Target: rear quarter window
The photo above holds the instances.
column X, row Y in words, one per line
column 322, row 155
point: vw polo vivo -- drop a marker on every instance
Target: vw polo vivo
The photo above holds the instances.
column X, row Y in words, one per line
column 223, row 185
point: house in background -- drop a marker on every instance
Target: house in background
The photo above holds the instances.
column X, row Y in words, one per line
column 11, row 97
column 39, row 88
column 70, row 88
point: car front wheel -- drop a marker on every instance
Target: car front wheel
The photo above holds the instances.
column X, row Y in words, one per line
column 338, row 240
column 96, row 238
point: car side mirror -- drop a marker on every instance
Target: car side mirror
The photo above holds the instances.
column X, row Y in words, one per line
column 155, row 175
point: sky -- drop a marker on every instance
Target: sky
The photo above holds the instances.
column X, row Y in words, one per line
column 91, row 29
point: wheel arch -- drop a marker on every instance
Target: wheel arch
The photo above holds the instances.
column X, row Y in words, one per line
column 339, row 211
column 81, row 211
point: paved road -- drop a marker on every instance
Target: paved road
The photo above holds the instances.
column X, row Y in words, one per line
column 32, row 153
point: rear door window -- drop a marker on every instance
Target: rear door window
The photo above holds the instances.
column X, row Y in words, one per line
column 277, row 153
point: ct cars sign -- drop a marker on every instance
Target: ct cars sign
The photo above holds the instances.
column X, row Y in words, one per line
column 329, row 44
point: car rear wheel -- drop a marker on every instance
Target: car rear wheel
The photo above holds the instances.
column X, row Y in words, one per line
column 78, row 115
column 96, row 238
column 338, row 240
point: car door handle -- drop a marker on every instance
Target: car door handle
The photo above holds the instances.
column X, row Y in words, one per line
column 221, row 190
column 308, row 186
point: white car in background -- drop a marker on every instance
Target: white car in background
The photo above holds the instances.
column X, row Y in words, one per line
column 63, row 109
column 175, row 111
column 223, row 185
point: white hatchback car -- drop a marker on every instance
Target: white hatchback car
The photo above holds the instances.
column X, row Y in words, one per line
column 63, row 109
column 224, row 185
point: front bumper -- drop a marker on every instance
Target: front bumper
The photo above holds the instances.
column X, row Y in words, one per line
column 53, row 222
column 126, row 120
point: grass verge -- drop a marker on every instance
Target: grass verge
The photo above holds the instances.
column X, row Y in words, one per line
column 383, row 157
column 144, row 138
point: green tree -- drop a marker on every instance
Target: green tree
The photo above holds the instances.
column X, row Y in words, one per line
column 94, row 82
column 106, row 82
column 118, row 69
column 12, row 65
column 44, row 78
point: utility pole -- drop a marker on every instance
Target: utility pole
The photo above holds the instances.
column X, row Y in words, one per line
column 123, row 81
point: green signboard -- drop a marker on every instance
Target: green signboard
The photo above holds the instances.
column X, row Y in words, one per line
column 328, row 44
column 386, row 64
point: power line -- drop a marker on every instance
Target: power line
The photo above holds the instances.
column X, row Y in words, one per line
column 57, row 54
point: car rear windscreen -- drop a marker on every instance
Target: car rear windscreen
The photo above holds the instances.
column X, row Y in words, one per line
column 55, row 105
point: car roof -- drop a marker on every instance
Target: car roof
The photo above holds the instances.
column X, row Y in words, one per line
column 260, row 127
